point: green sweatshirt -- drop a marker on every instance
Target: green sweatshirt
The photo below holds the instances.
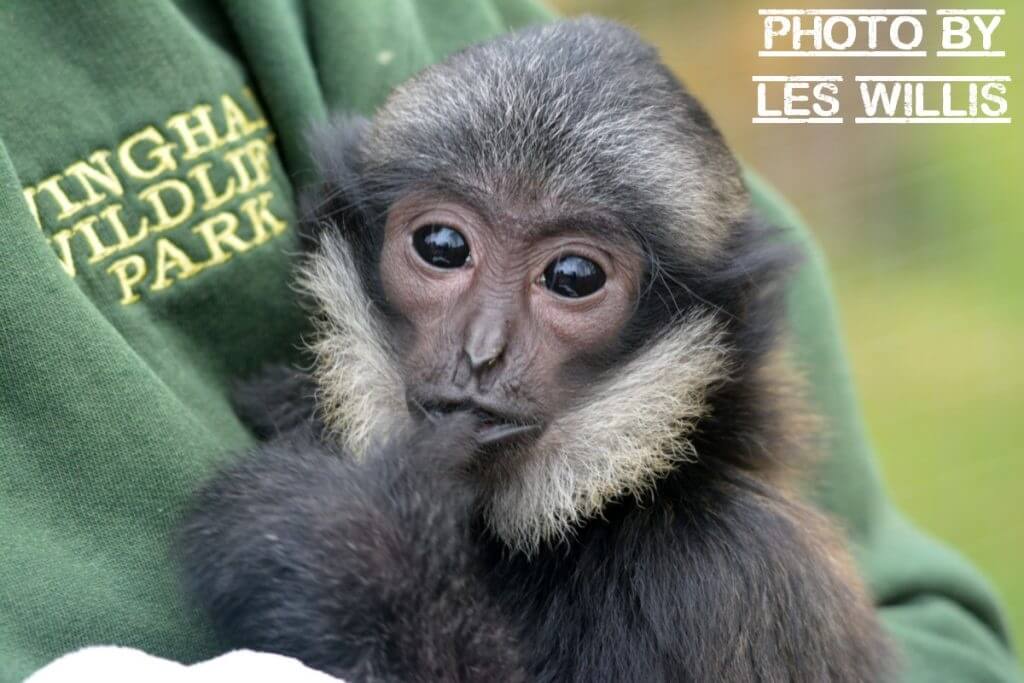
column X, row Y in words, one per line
column 148, row 159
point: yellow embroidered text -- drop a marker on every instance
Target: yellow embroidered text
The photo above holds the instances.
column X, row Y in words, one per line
column 168, row 202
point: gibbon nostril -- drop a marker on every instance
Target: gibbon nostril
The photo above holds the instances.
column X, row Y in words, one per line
column 486, row 340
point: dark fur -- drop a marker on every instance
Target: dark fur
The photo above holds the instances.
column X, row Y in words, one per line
column 383, row 570
column 367, row 572
column 278, row 401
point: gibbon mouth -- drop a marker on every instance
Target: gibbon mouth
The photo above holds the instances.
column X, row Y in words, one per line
column 495, row 427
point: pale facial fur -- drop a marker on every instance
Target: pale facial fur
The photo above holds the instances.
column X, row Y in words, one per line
column 629, row 430
column 360, row 391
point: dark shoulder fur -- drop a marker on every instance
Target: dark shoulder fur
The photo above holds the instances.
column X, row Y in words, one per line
column 277, row 400
column 364, row 570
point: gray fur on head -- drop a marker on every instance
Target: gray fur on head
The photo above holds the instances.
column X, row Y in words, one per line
column 592, row 97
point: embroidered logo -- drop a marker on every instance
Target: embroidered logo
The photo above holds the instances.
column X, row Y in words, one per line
column 168, row 202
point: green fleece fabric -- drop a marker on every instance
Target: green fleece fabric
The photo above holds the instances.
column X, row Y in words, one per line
column 148, row 154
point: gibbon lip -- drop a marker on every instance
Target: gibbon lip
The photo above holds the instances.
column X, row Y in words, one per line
column 505, row 433
column 495, row 426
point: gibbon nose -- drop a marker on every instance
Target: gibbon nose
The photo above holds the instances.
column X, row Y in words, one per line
column 486, row 339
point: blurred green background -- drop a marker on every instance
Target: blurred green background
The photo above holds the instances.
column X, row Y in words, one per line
column 924, row 230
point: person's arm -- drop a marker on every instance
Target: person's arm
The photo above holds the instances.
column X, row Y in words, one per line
column 941, row 612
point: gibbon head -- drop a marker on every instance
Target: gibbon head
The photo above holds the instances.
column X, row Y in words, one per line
column 545, row 230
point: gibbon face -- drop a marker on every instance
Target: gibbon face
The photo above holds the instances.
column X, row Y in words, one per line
column 551, row 245
column 505, row 314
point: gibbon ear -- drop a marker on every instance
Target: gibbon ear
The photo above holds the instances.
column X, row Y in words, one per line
column 761, row 260
column 335, row 200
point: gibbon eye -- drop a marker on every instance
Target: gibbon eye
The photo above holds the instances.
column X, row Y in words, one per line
column 573, row 276
column 441, row 245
